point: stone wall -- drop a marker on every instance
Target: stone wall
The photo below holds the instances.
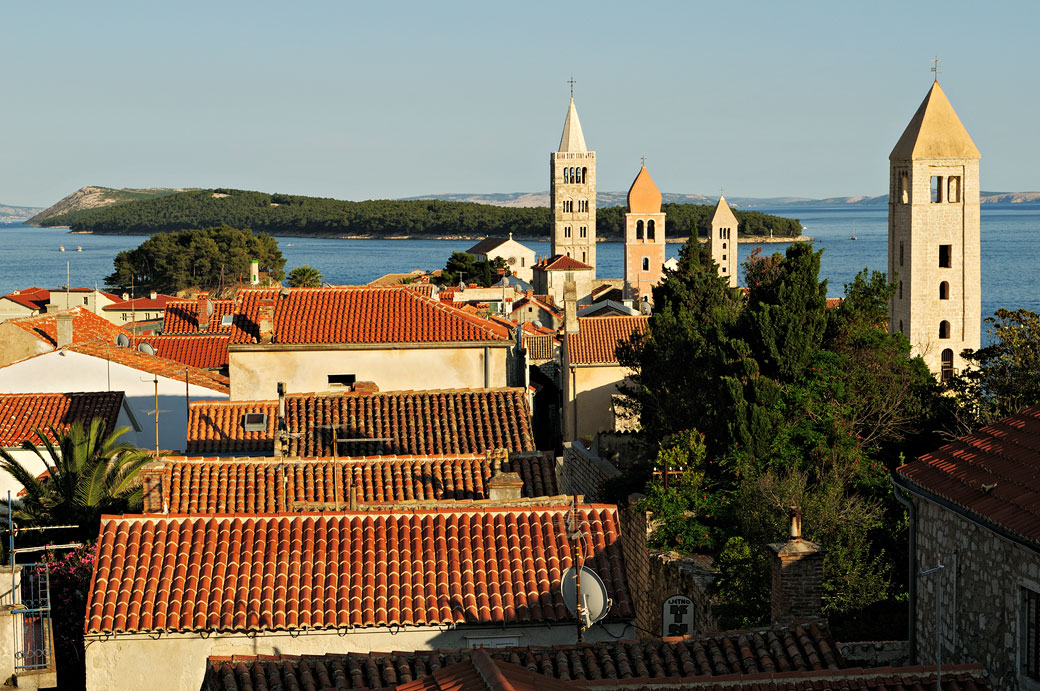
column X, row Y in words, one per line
column 983, row 583
column 674, row 574
column 874, row 653
column 637, row 561
column 580, row 471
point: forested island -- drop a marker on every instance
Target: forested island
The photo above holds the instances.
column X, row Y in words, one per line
column 284, row 214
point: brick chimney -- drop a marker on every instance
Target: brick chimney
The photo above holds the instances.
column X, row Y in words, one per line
column 265, row 320
column 152, row 295
column 797, row 567
column 204, row 308
column 151, row 487
column 570, row 307
column 505, row 486
column 63, row 326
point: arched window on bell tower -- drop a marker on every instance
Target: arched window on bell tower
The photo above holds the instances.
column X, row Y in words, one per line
column 650, row 229
column 639, row 230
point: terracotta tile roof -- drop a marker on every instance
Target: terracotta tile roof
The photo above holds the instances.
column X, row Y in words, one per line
column 954, row 678
column 152, row 364
column 86, row 326
column 20, row 414
column 536, row 302
column 449, row 421
column 793, row 649
column 145, row 302
column 358, row 314
column 182, row 316
column 481, row 672
column 597, row 338
column 993, row 474
column 205, row 351
column 540, row 347
column 561, row 262
column 267, row 485
column 289, row 572
column 31, row 298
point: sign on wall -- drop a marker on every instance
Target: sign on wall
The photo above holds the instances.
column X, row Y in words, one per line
column 677, row 616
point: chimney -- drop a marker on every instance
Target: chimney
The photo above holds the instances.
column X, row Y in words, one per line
column 505, row 486
column 797, row 567
column 265, row 320
column 570, row 307
column 254, row 272
column 151, row 486
column 529, row 293
column 152, row 295
column 203, row 308
column 64, row 329
column 126, row 296
column 280, row 427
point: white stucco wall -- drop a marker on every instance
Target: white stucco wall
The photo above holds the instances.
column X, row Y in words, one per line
column 255, row 373
column 178, row 661
column 63, row 371
column 588, row 393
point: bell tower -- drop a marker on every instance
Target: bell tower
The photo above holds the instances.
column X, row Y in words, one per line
column 572, row 185
column 933, row 236
column 722, row 241
column 644, row 237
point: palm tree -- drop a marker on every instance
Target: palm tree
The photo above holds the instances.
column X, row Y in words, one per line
column 305, row 277
column 88, row 474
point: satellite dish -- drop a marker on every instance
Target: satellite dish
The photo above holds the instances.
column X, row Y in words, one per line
column 147, row 349
column 595, row 603
column 123, row 341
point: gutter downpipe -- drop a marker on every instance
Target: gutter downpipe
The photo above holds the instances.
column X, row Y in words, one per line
column 897, row 490
column 487, row 367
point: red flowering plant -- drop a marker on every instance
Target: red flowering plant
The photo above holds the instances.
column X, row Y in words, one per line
column 684, row 510
column 70, row 573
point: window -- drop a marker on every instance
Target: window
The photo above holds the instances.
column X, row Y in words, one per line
column 522, row 260
column 646, row 263
column 900, row 290
column 254, row 422
column 86, row 301
column 639, row 230
column 583, row 259
column 723, row 269
column 900, row 326
column 936, row 189
column 953, row 189
column 1031, row 633
column 566, row 176
column 900, row 252
column 650, row 230
column 566, row 231
column 904, row 187
column 944, row 329
column 125, row 318
column 723, row 257
column 340, row 380
column 945, row 256
column 584, row 231
column 723, row 245
column 494, row 642
column 944, row 291
column 946, row 372
column 227, row 320
column 584, row 172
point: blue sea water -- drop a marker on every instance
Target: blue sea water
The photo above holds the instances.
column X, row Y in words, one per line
column 1010, row 253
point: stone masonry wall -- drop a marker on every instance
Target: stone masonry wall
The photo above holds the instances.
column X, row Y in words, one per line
column 674, row 574
column 982, row 595
column 637, row 561
column 580, row 471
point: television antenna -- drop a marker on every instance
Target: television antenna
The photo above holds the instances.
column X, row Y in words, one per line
column 583, row 592
column 155, row 411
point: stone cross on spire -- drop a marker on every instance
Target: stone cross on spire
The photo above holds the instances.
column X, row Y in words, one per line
column 935, row 67
column 572, row 83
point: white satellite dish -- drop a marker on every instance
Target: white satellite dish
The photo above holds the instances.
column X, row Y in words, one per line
column 123, row 341
column 147, row 349
column 595, row 603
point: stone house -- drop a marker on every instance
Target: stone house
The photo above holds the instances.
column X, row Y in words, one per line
column 144, row 379
column 591, row 373
column 552, row 273
column 27, row 302
column 22, row 414
column 129, row 311
column 25, row 337
column 170, row 591
column 91, row 299
column 519, row 258
column 529, row 308
column 975, row 510
column 364, row 423
column 326, row 339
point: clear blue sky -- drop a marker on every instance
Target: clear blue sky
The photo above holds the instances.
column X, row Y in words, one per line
column 386, row 99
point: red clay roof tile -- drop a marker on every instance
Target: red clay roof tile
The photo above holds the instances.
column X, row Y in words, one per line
column 153, row 364
column 993, row 473
column 358, row 314
column 86, row 326
column 182, row 316
column 20, row 414
column 597, row 338
column 205, row 351
column 183, row 485
column 561, row 262
column 144, row 302
column 318, row 571
column 450, row 421
column 31, row 298
column 794, row 649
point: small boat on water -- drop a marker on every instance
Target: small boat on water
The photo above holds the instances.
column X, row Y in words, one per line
column 78, row 248
column 853, row 237
column 61, row 248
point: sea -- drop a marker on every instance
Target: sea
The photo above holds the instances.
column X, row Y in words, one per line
column 31, row 256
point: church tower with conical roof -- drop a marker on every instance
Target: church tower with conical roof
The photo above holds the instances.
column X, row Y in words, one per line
column 644, row 237
column 933, row 236
column 722, row 241
column 572, row 185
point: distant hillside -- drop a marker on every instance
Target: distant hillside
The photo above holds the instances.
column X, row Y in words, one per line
column 284, row 214
column 17, row 213
column 91, row 197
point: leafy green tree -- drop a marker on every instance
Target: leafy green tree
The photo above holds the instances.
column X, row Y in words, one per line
column 1003, row 377
column 210, row 258
column 463, row 267
column 305, row 277
column 89, row 473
